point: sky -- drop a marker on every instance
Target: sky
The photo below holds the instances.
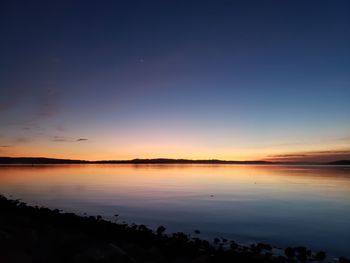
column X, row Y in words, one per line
column 233, row 80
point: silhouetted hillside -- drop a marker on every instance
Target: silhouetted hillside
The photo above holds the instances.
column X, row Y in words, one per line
column 341, row 162
column 181, row 161
column 38, row 160
column 42, row 160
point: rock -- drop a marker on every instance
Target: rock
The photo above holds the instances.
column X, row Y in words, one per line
column 254, row 248
column 320, row 256
column 5, row 237
column 160, row 230
column 103, row 253
column 281, row 259
column 301, row 253
column 264, row 246
column 289, row 252
column 233, row 245
column 202, row 259
column 301, row 250
column 343, row 260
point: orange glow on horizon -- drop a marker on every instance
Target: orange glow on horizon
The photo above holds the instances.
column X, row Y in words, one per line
column 93, row 154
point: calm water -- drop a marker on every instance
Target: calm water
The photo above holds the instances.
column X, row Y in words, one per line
column 282, row 205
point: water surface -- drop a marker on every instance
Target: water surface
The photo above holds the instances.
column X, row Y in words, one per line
column 281, row 205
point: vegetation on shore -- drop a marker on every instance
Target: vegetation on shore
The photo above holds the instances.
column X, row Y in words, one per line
column 37, row 234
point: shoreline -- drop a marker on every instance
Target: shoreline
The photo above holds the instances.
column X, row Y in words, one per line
column 32, row 234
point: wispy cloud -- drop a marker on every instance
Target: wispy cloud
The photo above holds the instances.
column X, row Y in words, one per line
column 65, row 139
column 8, row 100
column 60, row 128
column 345, row 138
column 323, row 155
column 21, row 140
column 60, row 139
column 5, row 146
column 287, row 155
column 49, row 102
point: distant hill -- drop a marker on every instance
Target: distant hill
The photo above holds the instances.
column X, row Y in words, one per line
column 37, row 160
column 181, row 161
column 42, row 160
column 341, row 162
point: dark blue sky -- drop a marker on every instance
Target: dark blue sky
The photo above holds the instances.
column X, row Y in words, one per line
column 192, row 79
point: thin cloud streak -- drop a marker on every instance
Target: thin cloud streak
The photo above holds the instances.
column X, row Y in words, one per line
column 59, row 139
column 64, row 139
column 318, row 156
column 21, row 140
column 288, row 155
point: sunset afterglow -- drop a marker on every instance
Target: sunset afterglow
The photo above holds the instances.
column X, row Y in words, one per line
column 180, row 80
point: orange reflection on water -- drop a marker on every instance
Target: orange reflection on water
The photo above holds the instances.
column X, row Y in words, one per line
column 211, row 179
column 286, row 205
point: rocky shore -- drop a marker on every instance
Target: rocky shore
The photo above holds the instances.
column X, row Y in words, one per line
column 38, row 234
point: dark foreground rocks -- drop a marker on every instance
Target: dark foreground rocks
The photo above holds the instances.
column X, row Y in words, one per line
column 33, row 234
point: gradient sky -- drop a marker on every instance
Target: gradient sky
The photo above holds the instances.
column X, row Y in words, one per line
column 238, row 80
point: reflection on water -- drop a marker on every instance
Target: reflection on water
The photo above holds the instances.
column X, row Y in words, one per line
column 282, row 205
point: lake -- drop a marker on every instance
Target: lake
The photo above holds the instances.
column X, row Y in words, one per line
column 281, row 205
